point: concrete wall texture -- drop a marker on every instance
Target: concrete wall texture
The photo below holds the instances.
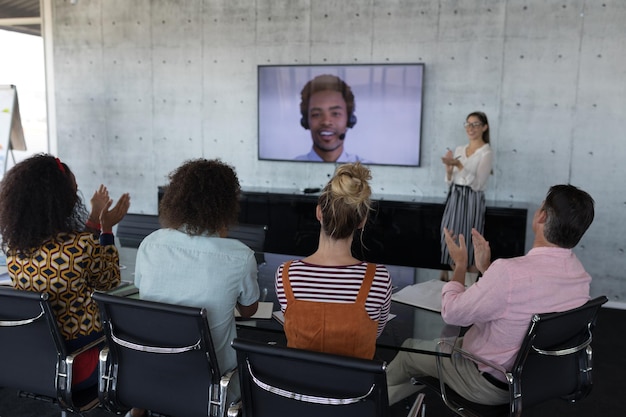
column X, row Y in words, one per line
column 143, row 85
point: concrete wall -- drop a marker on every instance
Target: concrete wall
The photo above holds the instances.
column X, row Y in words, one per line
column 140, row 86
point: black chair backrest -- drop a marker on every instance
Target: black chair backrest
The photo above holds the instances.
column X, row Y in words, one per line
column 162, row 355
column 277, row 380
column 547, row 375
column 252, row 235
column 30, row 342
column 133, row 228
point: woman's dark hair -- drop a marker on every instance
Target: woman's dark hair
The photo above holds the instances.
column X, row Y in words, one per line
column 38, row 200
column 483, row 119
column 345, row 200
column 202, row 197
column 569, row 213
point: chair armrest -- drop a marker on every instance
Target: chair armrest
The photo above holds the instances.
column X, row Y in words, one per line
column 88, row 346
column 478, row 359
column 64, row 373
column 224, row 382
column 235, row 409
column 472, row 357
column 451, row 346
column 104, row 378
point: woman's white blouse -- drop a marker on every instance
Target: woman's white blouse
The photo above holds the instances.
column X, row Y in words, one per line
column 476, row 168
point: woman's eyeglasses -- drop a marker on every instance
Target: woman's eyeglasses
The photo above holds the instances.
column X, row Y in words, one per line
column 475, row 124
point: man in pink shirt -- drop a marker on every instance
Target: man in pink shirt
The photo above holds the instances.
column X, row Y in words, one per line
column 498, row 307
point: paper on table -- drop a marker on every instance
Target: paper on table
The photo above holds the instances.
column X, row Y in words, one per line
column 125, row 289
column 426, row 295
column 263, row 312
column 279, row 316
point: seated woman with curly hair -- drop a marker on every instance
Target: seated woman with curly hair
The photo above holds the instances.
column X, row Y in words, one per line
column 191, row 262
column 43, row 224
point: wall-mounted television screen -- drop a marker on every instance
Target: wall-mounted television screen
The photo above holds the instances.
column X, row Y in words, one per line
column 341, row 113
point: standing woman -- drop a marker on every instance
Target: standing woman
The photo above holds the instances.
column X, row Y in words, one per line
column 332, row 301
column 54, row 246
column 467, row 172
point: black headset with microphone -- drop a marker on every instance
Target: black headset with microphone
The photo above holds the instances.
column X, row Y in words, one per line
column 304, row 121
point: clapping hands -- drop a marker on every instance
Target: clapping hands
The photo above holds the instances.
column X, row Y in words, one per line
column 111, row 217
column 482, row 251
column 449, row 159
column 99, row 200
column 458, row 251
column 101, row 207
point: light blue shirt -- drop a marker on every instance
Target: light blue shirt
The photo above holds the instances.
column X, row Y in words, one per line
column 344, row 157
column 200, row 271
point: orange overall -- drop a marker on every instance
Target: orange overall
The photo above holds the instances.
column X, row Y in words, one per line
column 339, row 328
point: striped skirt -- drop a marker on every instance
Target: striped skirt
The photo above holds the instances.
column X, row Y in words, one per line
column 465, row 209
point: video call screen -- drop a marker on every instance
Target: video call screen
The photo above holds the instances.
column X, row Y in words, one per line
column 388, row 111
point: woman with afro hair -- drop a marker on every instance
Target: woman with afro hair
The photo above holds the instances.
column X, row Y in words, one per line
column 190, row 261
column 54, row 245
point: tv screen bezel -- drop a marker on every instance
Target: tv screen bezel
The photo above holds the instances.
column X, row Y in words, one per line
column 389, row 113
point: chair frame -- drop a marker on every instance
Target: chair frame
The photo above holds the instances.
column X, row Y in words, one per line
column 310, row 392
column 217, row 383
column 61, row 360
column 578, row 344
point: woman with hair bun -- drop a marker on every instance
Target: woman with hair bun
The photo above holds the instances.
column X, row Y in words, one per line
column 332, row 301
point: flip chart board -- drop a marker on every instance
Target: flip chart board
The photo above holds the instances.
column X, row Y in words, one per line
column 11, row 132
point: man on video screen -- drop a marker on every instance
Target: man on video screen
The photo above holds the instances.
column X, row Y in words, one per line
column 327, row 107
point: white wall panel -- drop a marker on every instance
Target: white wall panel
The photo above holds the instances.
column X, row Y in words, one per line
column 404, row 21
column 229, row 23
column 176, row 24
column 126, row 24
column 83, row 74
column 143, row 85
column 471, row 20
column 283, row 23
column 79, row 27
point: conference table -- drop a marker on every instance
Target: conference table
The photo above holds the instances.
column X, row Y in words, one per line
column 406, row 321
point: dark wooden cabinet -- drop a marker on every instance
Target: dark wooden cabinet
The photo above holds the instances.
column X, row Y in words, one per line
column 400, row 231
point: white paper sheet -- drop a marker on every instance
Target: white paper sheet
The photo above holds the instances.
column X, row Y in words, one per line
column 426, row 295
column 263, row 312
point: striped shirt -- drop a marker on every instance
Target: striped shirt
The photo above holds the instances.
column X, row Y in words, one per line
column 337, row 284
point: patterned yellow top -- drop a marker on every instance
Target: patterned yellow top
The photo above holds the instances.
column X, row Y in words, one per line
column 69, row 269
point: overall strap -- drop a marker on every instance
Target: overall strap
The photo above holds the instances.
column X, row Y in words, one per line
column 286, row 284
column 361, row 298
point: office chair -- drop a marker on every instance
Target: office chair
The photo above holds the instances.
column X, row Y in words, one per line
column 554, row 361
column 277, row 380
column 33, row 356
column 160, row 357
column 253, row 236
column 133, row 228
